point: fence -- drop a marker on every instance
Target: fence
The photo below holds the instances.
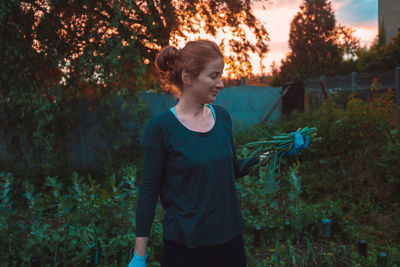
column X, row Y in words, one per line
column 246, row 104
column 356, row 83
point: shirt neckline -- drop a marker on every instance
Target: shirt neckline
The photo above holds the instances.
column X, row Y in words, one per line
column 196, row 132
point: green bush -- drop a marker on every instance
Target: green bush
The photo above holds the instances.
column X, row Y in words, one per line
column 350, row 177
column 41, row 143
column 77, row 225
column 358, row 149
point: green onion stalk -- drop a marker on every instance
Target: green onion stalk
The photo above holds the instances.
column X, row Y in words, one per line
column 273, row 148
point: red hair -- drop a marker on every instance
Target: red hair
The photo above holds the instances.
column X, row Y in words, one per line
column 192, row 58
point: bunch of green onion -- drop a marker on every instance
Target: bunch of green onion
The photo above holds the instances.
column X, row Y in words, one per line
column 273, row 148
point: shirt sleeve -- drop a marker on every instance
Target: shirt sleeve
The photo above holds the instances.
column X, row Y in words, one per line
column 241, row 166
column 154, row 157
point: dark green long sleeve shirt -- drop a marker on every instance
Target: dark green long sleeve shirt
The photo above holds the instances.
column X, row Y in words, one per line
column 194, row 175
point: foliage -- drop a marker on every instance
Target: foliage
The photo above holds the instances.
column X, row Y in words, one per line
column 380, row 56
column 318, row 46
column 371, row 127
column 356, row 161
column 59, row 53
column 268, row 202
column 44, row 142
column 353, row 128
column 351, row 177
column 99, row 46
column 199, row 17
column 381, row 37
column 283, row 214
column 80, row 224
column 86, row 224
column 312, row 40
column 275, row 77
column 49, row 58
column 348, row 43
column 274, row 147
column 50, row 68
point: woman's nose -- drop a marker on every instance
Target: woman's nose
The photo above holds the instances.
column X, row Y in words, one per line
column 220, row 84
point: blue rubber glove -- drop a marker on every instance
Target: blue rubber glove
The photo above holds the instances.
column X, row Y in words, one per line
column 299, row 143
column 138, row 261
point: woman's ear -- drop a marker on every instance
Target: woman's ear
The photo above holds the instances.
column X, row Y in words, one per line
column 186, row 78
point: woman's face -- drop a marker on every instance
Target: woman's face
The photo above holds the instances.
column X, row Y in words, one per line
column 207, row 85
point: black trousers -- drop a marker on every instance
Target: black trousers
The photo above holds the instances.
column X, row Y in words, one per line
column 230, row 254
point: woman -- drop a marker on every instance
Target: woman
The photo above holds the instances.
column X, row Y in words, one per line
column 189, row 160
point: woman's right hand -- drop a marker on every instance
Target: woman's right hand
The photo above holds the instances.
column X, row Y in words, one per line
column 138, row 261
column 140, row 248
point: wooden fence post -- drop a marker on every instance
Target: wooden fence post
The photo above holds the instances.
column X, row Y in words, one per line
column 322, row 80
column 285, row 89
column 362, row 248
column 397, row 84
column 382, row 259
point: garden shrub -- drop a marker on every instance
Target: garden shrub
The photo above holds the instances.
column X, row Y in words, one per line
column 357, row 148
column 83, row 224
column 351, row 176
column 41, row 143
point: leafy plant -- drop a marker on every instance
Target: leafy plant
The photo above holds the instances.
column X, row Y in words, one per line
column 350, row 178
column 274, row 147
column 79, row 225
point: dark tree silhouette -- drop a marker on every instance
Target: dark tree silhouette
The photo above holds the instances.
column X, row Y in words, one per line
column 103, row 45
column 313, row 42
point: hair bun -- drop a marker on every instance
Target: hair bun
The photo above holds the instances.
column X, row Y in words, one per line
column 167, row 57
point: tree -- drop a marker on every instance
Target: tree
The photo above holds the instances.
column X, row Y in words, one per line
column 349, row 46
column 313, row 42
column 275, row 78
column 225, row 18
column 381, row 37
column 379, row 57
column 55, row 50
column 113, row 44
column 348, row 43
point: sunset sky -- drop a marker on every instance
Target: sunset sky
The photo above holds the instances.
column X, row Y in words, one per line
column 359, row 15
column 362, row 16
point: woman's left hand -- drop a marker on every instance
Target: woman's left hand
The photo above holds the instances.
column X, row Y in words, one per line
column 299, row 143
